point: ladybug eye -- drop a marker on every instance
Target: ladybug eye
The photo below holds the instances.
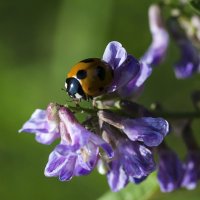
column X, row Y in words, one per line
column 81, row 74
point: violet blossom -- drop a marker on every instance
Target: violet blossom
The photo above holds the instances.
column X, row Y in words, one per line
column 44, row 124
column 160, row 38
column 170, row 170
column 132, row 161
column 128, row 156
column 129, row 73
column 191, row 170
column 189, row 60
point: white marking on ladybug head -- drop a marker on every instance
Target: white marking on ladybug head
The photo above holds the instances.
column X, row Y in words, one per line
column 65, row 85
column 78, row 96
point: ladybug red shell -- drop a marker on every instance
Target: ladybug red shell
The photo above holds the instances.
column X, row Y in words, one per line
column 88, row 78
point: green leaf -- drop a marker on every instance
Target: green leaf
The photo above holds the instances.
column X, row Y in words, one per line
column 143, row 191
column 195, row 4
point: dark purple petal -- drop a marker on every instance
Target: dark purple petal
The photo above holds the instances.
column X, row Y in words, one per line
column 134, row 86
column 170, row 171
column 191, row 170
column 137, row 180
column 136, row 159
column 190, row 60
column 160, row 38
column 101, row 143
column 125, row 73
column 117, row 178
column 114, row 54
column 149, row 130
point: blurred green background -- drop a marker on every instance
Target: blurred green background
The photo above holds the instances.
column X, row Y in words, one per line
column 39, row 42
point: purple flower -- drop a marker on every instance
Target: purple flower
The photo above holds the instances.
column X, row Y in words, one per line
column 191, row 170
column 129, row 74
column 78, row 151
column 149, row 130
column 131, row 163
column 190, row 60
column 44, row 124
column 170, row 170
column 160, row 38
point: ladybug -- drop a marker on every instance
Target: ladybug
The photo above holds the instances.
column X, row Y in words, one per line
column 88, row 78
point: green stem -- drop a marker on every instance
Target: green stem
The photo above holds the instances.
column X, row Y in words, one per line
column 164, row 114
column 177, row 115
column 91, row 111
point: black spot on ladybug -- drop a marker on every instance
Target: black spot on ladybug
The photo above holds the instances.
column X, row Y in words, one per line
column 81, row 74
column 88, row 60
column 101, row 89
column 101, row 72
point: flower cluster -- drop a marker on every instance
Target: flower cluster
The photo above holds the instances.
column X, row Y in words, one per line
column 119, row 136
column 184, row 30
column 126, row 141
column 172, row 172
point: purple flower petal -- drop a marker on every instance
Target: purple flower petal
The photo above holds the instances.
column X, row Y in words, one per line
column 191, row 170
column 46, row 138
column 136, row 158
column 132, row 160
column 190, row 60
column 117, row 178
column 37, row 123
column 56, row 163
column 78, row 134
column 44, row 124
column 125, row 73
column 160, row 38
column 114, row 54
column 170, row 171
column 134, row 86
column 149, row 130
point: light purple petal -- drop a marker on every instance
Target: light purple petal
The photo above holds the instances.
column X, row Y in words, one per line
column 101, row 143
column 46, row 138
column 46, row 131
column 78, row 134
column 55, row 163
column 37, row 123
column 67, row 170
column 160, row 38
column 114, row 54
column 87, row 159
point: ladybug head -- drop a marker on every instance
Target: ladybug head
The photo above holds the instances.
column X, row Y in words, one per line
column 74, row 89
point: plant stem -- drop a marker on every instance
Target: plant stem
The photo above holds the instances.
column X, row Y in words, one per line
column 177, row 115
